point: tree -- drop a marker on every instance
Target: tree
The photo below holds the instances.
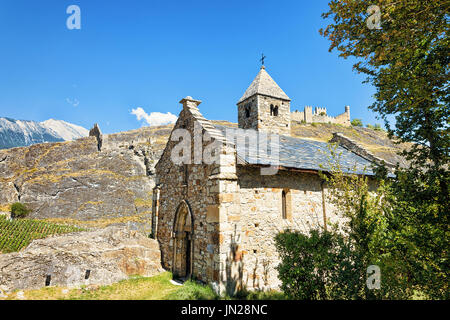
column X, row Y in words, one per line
column 365, row 204
column 333, row 263
column 357, row 123
column 407, row 61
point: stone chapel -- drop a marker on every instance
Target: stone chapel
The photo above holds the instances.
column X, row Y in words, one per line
column 216, row 221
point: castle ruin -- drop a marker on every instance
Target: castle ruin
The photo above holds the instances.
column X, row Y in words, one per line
column 319, row 115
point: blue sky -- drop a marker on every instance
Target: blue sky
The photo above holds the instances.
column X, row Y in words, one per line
column 150, row 54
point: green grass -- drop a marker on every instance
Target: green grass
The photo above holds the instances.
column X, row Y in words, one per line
column 140, row 288
column 193, row 291
column 17, row 234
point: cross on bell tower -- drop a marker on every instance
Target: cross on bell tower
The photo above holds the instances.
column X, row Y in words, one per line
column 265, row 106
column 263, row 57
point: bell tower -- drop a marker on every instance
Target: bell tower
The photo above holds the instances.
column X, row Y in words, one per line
column 264, row 106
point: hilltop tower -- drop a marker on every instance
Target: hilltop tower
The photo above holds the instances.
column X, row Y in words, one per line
column 264, row 106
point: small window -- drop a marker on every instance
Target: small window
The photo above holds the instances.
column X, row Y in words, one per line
column 247, row 112
column 273, row 110
column 286, row 206
column 185, row 174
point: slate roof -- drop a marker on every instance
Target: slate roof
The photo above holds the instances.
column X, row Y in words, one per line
column 302, row 154
column 265, row 85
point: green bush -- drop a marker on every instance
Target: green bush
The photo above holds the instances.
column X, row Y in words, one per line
column 333, row 263
column 19, row 210
column 318, row 266
column 376, row 127
column 357, row 123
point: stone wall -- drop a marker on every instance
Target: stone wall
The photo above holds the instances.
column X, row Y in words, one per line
column 195, row 188
column 355, row 147
column 319, row 115
column 248, row 114
column 249, row 243
column 230, row 213
column 280, row 124
column 260, row 117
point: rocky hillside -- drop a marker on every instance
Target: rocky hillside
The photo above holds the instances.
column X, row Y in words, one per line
column 75, row 182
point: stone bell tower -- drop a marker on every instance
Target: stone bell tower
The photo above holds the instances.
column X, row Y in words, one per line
column 264, row 106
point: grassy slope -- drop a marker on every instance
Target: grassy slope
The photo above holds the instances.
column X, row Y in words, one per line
column 139, row 288
column 136, row 288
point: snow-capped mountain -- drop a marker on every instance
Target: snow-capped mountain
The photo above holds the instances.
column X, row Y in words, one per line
column 65, row 130
column 20, row 133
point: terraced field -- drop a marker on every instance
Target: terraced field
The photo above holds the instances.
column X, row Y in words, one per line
column 17, row 234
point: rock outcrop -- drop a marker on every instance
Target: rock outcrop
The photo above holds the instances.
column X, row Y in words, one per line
column 98, row 257
column 75, row 182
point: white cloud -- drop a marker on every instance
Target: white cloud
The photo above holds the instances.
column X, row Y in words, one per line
column 154, row 118
column 73, row 102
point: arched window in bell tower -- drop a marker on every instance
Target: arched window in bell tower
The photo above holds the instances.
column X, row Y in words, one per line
column 247, row 111
column 273, row 110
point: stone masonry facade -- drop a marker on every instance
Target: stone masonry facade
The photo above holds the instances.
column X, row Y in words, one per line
column 228, row 213
column 216, row 220
column 255, row 113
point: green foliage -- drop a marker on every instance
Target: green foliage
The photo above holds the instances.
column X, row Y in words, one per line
column 19, row 210
column 17, row 234
column 357, row 123
column 407, row 61
column 157, row 287
column 366, row 206
column 418, row 227
column 305, row 265
column 192, row 290
column 376, row 127
column 262, row 295
column 322, row 265
column 332, row 263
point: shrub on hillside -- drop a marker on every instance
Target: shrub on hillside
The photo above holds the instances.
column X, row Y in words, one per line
column 377, row 127
column 19, row 210
column 357, row 123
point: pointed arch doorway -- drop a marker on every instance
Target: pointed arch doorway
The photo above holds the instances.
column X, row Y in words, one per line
column 183, row 246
